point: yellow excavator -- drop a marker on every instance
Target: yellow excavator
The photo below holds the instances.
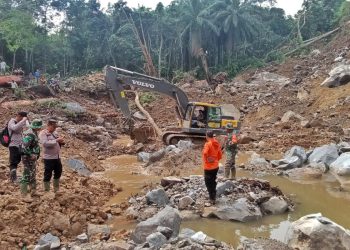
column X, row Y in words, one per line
column 196, row 118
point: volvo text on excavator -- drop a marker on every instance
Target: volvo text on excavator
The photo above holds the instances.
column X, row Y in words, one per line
column 195, row 117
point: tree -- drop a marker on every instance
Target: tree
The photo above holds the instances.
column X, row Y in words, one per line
column 18, row 32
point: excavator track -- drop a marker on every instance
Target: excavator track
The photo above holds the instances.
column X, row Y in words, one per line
column 173, row 137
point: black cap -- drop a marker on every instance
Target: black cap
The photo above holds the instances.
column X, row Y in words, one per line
column 210, row 134
column 22, row 113
column 52, row 121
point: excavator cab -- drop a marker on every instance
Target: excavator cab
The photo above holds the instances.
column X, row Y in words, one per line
column 200, row 117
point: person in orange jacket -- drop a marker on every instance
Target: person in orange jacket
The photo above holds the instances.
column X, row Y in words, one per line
column 211, row 154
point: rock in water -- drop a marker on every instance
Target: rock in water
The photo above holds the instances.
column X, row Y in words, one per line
column 143, row 156
column 297, row 151
column 158, row 197
column 341, row 166
column 156, row 240
column 340, row 75
column 168, row 217
column 326, row 154
column 239, row 210
column 307, row 173
column 315, row 232
column 156, row 156
column 275, row 205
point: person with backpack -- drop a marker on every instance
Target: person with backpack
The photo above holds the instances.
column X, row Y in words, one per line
column 15, row 130
column 30, row 155
column 231, row 148
column 51, row 143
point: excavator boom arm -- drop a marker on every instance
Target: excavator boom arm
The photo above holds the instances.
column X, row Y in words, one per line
column 117, row 78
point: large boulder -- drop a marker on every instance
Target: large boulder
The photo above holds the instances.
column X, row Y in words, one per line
column 158, row 197
column 156, row 156
column 78, row 166
column 170, row 181
column 184, row 202
column 338, row 76
column 303, row 174
column 289, row 115
column 48, row 241
column 256, row 161
column 74, row 108
column 143, row 156
column 297, row 151
column 267, row 77
column 223, row 187
column 326, row 154
column 239, row 210
column 315, row 232
column 184, row 145
column 289, row 163
column 275, row 205
column 168, row 217
column 341, row 166
column 93, row 230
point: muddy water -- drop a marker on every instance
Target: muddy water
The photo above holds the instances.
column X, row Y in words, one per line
column 309, row 196
column 126, row 172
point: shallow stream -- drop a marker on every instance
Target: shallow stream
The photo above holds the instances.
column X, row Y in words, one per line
column 316, row 196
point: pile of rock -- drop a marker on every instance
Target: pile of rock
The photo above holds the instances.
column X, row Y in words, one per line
column 98, row 136
column 161, row 231
column 243, row 200
column 89, row 83
column 158, row 155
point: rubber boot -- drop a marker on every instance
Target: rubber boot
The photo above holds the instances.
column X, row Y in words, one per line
column 233, row 174
column 33, row 190
column 46, row 186
column 56, row 185
column 13, row 175
column 24, row 189
column 226, row 173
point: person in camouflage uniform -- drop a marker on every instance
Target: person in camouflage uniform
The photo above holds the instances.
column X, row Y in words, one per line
column 231, row 149
column 30, row 155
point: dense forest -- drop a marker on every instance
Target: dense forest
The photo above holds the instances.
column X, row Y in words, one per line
column 75, row 36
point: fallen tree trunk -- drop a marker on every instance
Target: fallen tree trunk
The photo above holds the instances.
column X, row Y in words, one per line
column 149, row 117
column 311, row 41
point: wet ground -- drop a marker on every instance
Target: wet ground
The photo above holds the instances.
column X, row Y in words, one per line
column 314, row 196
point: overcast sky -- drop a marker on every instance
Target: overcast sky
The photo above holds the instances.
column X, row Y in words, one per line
column 290, row 6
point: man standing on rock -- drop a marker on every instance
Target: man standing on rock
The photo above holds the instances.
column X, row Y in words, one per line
column 211, row 156
column 30, row 155
column 15, row 127
column 231, row 149
column 52, row 145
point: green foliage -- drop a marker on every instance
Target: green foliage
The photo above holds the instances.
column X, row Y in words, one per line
column 234, row 34
column 242, row 64
column 319, row 16
column 20, row 93
column 147, row 98
column 275, row 56
column 343, row 13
